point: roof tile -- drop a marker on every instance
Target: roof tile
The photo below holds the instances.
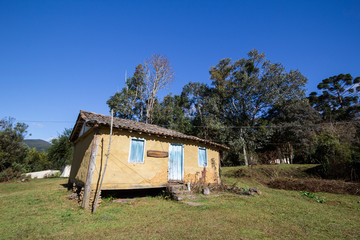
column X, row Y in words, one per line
column 93, row 119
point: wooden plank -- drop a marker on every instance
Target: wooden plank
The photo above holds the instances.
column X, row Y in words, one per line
column 157, row 154
column 89, row 177
column 106, row 161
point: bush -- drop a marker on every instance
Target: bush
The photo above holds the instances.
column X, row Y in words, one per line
column 13, row 172
column 336, row 156
column 12, row 150
column 37, row 161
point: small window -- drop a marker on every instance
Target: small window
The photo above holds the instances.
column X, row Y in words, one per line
column 137, row 148
column 202, row 157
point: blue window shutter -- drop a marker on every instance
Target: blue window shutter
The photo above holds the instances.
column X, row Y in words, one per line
column 202, row 157
column 137, row 151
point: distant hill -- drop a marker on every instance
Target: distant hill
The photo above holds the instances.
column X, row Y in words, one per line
column 40, row 145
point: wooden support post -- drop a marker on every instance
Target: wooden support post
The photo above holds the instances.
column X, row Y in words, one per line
column 220, row 160
column 89, row 177
column 106, row 161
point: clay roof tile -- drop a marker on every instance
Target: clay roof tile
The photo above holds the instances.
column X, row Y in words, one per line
column 92, row 119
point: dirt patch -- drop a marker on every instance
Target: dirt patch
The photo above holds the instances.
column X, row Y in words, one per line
column 316, row 185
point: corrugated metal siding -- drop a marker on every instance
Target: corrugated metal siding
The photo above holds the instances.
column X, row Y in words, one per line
column 176, row 162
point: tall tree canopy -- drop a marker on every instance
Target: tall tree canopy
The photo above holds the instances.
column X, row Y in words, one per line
column 129, row 103
column 170, row 113
column 158, row 75
column 245, row 90
column 293, row 124
column 248, row 88
column 138, row 100
column 339, row 97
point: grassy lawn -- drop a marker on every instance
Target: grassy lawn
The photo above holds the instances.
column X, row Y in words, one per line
column 39, row 209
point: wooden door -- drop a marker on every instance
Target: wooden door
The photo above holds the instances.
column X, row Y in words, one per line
column 176, row 162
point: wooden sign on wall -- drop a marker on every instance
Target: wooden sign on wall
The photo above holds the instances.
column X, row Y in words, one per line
column 157, row 154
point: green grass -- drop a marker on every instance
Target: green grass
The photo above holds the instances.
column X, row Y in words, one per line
column 39, row 209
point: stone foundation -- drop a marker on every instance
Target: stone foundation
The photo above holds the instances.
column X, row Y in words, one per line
column 79, row 190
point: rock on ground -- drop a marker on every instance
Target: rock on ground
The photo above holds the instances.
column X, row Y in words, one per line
column 42, row 174
column 206, row 191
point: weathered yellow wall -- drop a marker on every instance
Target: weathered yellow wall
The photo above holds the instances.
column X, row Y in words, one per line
column 120, row 174
column 193, row 172
column 80, row 163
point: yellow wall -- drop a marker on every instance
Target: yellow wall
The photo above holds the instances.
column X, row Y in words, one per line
column 120, row 174
column 193, row 172
column 80, row 163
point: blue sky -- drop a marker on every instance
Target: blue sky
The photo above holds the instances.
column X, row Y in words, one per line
column 60, row 57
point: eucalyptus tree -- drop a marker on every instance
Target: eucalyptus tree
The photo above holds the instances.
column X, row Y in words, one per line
column 139, row 98
column 129, row 103
column 158, row 74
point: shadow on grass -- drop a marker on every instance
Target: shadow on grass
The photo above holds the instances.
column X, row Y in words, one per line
column 132, row 193
column 65, row 185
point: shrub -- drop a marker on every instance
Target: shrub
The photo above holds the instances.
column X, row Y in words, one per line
column 336, row 156
column 12, row 150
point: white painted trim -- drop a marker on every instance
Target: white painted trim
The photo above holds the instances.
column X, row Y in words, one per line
column 143, row 160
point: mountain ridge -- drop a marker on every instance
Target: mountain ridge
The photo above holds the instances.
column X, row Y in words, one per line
column 39, row 144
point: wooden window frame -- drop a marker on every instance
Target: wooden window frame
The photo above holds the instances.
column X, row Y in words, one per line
column 143, row 159
column 206, row 157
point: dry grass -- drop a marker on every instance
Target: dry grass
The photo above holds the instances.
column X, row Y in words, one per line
column 291, row 177
column 39, row 209
column 316, row 185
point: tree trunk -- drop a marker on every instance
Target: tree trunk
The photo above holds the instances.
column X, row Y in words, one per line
column 281, row 158
column 244, row 148
column 291, row 151
column 251, row 158
column 245, row 156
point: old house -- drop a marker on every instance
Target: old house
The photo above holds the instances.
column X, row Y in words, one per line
column 141, row 156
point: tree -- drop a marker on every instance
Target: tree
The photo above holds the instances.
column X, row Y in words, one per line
column 37, row 161
column 339, row 98
column 197, row 106
column 334, row 150
column 170, row 113
column 294, row 125
column 61, row 151
column 130, row 102
column 138, row 100
column 158, row 75
column 12, row 150
column 245, row 91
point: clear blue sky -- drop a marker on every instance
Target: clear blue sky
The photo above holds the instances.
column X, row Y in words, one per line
column 58, row 57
